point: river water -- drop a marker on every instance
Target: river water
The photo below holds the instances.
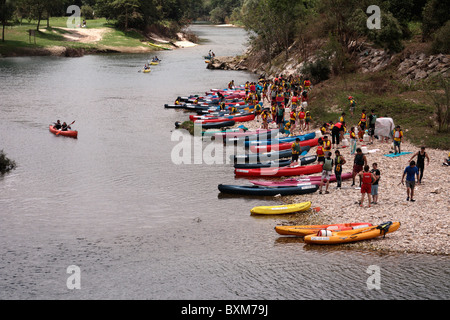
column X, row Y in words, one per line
column 138, row 226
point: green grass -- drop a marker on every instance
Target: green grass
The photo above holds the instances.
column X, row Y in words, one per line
column 18, row 41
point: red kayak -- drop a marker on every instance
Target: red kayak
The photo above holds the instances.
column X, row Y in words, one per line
column 68, row 133
column 282, row 146
column 279, row 172
column 237, row 119
column 296, row 182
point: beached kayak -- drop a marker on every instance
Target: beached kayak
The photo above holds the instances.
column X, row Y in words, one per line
column 273, row 164
column 68, row 133
column 243, row 118
column 301, row 231
column 216, row 125
column 266, row 191
column 284, row 209
column 296, row 182
column 264, row 157
column 280, row 140
column 279, row 172
column 330, row 237
column 282, row 146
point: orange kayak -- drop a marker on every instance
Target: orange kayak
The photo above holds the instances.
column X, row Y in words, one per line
column 68, row 133
column 330, row 237
column 302, row 231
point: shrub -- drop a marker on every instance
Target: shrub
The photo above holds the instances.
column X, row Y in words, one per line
column 5, row 163
column 317, row 71
column 87, row 12
column 441, row 42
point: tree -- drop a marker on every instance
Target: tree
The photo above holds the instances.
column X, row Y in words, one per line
column 435, row 15
column 7, row 8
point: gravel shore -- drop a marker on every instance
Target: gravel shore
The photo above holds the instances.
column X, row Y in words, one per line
column 424, row 223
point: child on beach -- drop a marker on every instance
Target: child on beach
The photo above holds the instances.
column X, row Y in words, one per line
column 366, row 187
column 352, row 141
column 374, row 192
column 338, row 162
column 398, row 137
column 326, row 173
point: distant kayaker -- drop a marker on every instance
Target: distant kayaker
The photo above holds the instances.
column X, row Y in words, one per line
column 57, row 124
column 65, row 127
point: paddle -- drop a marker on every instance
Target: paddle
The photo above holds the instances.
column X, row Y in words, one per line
column 67, row 126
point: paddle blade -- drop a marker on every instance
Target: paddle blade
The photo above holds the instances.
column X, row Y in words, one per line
column 316, row 209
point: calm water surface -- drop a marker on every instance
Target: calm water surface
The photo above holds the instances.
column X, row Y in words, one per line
column 138, row 226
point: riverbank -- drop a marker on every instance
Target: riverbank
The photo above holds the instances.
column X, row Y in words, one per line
column 424, row 223
column 97, row 37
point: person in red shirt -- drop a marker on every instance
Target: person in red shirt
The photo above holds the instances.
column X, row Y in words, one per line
column 366, row 187
column 301, row 119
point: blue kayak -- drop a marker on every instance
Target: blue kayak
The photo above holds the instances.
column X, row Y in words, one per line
column 303, row 137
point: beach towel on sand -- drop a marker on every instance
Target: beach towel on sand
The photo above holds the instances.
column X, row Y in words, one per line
column 393, row 155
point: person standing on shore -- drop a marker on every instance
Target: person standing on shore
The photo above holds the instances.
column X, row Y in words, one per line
column 398, row 137
column 358, row 164
column 374, row 192
column 338, row 162
column 338, row 128
column 353, row 141
column 411, row 172
column 326, row 173
column 295, row 151
column 372, row 121
column 421, row 155
column 366, row 187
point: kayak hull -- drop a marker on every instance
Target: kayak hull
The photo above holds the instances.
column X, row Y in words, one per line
column 295, row 182
column 68, row 133
column 352, row 235
column 266, row 191
column 302, row 231
column 279, row 172
column 284, row 209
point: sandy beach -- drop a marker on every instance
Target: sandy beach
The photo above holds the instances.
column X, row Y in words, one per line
column 424, row 223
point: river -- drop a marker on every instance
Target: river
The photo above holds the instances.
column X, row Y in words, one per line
column 138, row 226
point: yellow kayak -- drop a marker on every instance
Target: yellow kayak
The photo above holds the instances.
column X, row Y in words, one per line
column 146, row 70
column 329, row 237
column 284, row 209
column 154, row 63
column 207, row 61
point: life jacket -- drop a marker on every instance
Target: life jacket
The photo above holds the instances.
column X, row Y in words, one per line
column 398, row 135
column 295, row 148
column 352, row 135
column 367, row 178
column 292, row 115
column 338, row 125
column 327, row 145
column 328, row 164
column 307, row 115
column 301, row 115
column 363, row 118
column 319, row 151
column 264, row 115
column 294, row 100
column 253, row 88
column 307, row 83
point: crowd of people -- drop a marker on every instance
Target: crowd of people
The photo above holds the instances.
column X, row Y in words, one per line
column 288, row 97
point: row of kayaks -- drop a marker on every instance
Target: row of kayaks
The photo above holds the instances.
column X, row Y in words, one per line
column 268, row 155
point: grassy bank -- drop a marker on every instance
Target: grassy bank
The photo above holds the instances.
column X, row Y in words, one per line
column 410, row 106
column 17, row 40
